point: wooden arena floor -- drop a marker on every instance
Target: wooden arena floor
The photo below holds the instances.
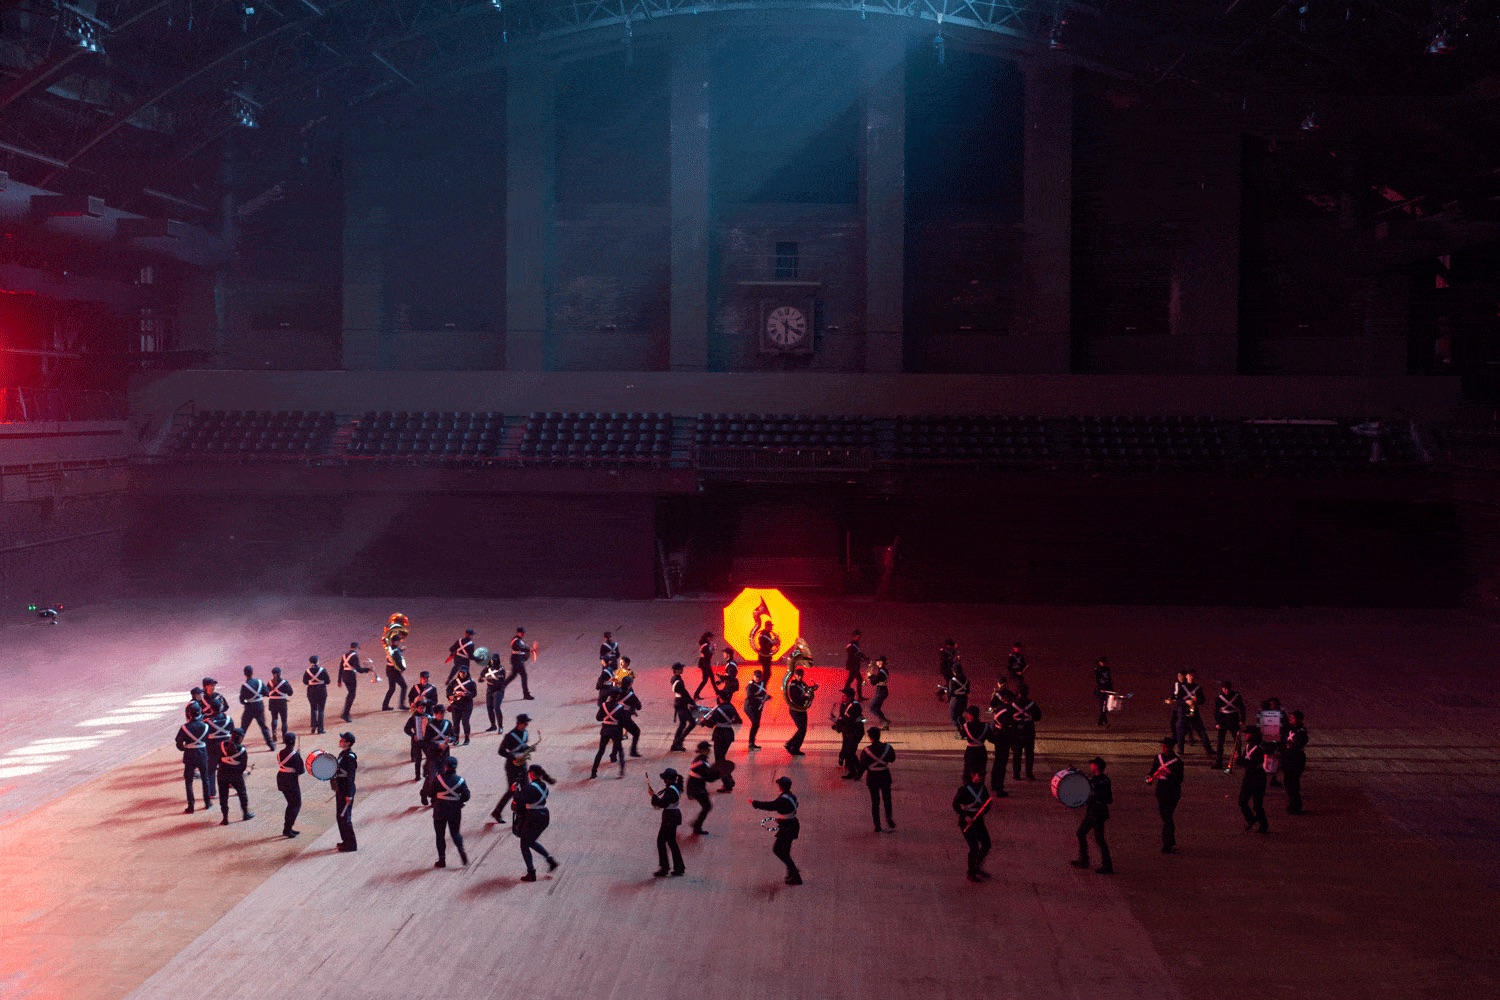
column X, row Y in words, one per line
column 1386, row 890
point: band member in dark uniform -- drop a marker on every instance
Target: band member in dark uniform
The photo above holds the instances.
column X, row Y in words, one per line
column 461, row 653
column 196, row 699
column 514, row 746
column 970, row 803
column 520, row 652
column 632, row 702
column 531, row 799
column 214, row 701
column 1252, row 764
column 611, row 731
column 449, row 794
column 723, row 719
column 609, row 653
column 1104, row 683
column 880, row 679
column 603, row 684
column 349, row 670
column 765, row 647
column 253, row 696
column 220, row 730
column 461, row 693
column 278, row 694
column 232, row 761
column 669, row 801
column 705, row 663
column 437, row 742
column 192, row 740
column 756, row 697
column 1015, row 664
column 1003, row 736
column 1095, row 815
column 1188, row 703
column 728, row 683
column 700, row 773
column 799, row 699
column 1229, row 718
column 854, row 662
column 958, row 696
column 947, row 656
column 416, row 728
column 1294, row 762
column 315, row 679
column 344, row 789
column 494, row 693
column 395, row 674
column 875, row 762
column 850, row 723
column 683, row 704
column 787, row 826
column 289, row 768
column 1166, row 775
column 424, row 691
column 976, row 734
column 1026, row 713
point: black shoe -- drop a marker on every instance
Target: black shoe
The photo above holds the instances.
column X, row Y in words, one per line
column 794, row 879
column 1169, row 850
column 594, row 775
column 677, row 750
column 1105, row 871
column 1079, row 863
column 527, row 698
column 982, row 873
column 440, row 863
column 345, row 848
column 890, row 823
column 291, row 833
column 463, row 858
column 466, row 743
column 495, row 818
column 224, row 821
column 879, row 830
column 385, row 708
column 974, row 877
column 189, row 808
column 529, row 877
column 248, row 816
column 492, row 729
column 698, row 831
column 660, row 873
column 679, row 873
column 754, row 747
column 634, row 753
column 552, row 864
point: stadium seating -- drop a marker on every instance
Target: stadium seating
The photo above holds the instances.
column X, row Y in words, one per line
column 616, row 438
column 431, row 436
column 991, row 440
column 236, row 434
column 758, row 430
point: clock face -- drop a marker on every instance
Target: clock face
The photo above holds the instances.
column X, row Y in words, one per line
column 786, row 326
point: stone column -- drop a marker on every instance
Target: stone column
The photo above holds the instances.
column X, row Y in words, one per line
column 530, row 127
column 689, row 193
column 1046, row 308
column 885, row 201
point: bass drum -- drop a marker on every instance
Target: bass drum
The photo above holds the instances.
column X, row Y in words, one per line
column 1070, row 787
column 322, row 765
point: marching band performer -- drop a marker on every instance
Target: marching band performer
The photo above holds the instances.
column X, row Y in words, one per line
column 531, row 799
column 514, row 747
column 253, row 694
column 215, row 701
column 343, row 792
column 765, row 646
column 278, row 695
column 425, row 691
column 705, row 663
column 875, row 761
column 1229, row 718
column 1294, row 761
column 958, row 695
column 609, row 653
column 220, row 730
column 520, row 652
column 668, row 800
column 416, row 728
column 604, row 683
column 723, row 719
column 1003, row 736
column 289, row 768
column 436, row 744
column 880, row 679
column 461, row 653
column 449, row 794
column 1015, row 664
column 1166, row 775
column 315, row 679
column 232, row 761
column 700, row 773
column 854, row 661
column 1026, row 713
column 976, row 735
column 970, row 803
column 1095, row 814
column 395, row 674
column 1104, row 683
column 788, row 828
column 755, row 702
column 349, row 670
column 729, row 681
column 850, row 724
column 461, row 693
column 192, row 741
column 611, row 731
column 947, row 656
column 494, row 693
column 682, row 708
column 799, row 698
column 1252, row 764
column 1187, row 700
column 631, row 701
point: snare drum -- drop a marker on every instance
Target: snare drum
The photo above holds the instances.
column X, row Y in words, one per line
column 1070, row 787
column 1113, row 701
column 322, row 765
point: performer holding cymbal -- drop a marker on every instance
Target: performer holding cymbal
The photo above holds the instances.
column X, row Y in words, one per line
column 668, row 800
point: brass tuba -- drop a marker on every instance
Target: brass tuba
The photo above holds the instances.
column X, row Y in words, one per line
column 396, row 629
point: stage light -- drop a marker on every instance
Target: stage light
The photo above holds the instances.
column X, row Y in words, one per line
column 1311, row 123
column 244, row 110
column 1441, row 44
column 1055, row 40
column 754, row 609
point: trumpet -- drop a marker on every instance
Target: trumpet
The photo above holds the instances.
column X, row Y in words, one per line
column 523, row 754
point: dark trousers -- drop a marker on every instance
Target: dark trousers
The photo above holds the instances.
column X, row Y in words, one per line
column 278, row 714
column 666, row 842
column 445, row 820
column 785, row 834
column 723, row 737
column 1227, row 728
column 533, row 825
column 849, row 747
column 256, row 712
column 514, row 773
column 196, row 762
column 1184, row 725
column 232, row 781
column 876, row 703
column 956, row 707
column 753, row 714
column 416, row 760
column 635, row 737
column 317, row 700
column 1166, row 804
column 704, row 681
column 879, row 783
column 705, row 806
column 856, row 680
column 462, row 711
column 799, row 719
column 1095, row 822
column 344, row 811
column 518, row 669
column 395, row 681
column 684, row 726
column 291, row 790
column 977, row 836
column 350, row 690
column 609, row 736
column 1101, row 698
column 1025, row 744
column 1253, row 804
column 494, row 705
column 975, row 759
column 765, row 670
column 1291, row 774
column 1003, row 747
